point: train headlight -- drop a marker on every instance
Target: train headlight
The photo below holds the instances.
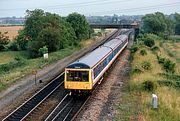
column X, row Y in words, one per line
column 68, row 86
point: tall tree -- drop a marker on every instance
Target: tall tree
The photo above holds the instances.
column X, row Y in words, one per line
column 80, row 25
column 177, row 23
column 157, row 23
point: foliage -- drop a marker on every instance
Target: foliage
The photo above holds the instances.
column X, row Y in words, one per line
column 136, row 70
column 143, row 52
column 21, row 41
column 43, row 50
column 146, row 65
column 4, row 40
column 177, row 23
column 149, row 86
column 11, row 65
column 149, row 42
column 46, row 29
column 13, row 46
column 155, row 48
column 167, row 64
column 134, row 48
column 80, row 25
column 157, row 23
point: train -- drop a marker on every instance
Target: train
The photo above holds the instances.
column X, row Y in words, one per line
column 82, row 75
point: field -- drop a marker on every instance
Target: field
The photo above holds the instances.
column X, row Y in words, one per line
column 12, row 30
column 136, row 102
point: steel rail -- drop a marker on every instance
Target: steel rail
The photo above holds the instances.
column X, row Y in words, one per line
column 26, row 102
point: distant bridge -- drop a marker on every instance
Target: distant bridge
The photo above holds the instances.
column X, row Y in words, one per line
column 118, row 26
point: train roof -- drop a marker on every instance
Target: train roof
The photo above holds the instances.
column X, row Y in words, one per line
column 89, row 60
column 114, row 42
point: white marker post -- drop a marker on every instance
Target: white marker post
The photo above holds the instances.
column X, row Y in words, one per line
column 46, row 56
column 154, row 101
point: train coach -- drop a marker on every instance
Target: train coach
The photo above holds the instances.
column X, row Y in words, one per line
column 82, row 75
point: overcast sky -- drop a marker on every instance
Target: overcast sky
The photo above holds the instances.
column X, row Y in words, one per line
column 17, row 8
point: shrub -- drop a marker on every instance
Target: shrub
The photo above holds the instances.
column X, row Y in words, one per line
column 134, row 49
column 146, row 65
column 137, row 70
column 165, row 82
column 149, row 86
column 160, row 60
column 155, row 48
column 169, row 66
column 13, row 46
column 143, row 52
column 43, row 50
column 149, row 42
column 11, row 65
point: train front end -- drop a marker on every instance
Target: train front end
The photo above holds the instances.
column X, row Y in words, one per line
column 78, row 80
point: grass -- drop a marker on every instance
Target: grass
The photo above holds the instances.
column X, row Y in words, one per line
column 14, row 74
column 9, row 56
column 136, row 102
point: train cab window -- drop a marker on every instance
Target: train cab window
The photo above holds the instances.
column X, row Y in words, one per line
column 81, row 76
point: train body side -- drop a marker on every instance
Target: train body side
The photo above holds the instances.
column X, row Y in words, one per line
column 95, row 64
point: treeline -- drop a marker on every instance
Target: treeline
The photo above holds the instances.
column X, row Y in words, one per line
column 160, row 24
column 50, row 31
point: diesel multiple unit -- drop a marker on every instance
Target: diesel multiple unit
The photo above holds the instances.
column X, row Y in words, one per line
column 85, row 73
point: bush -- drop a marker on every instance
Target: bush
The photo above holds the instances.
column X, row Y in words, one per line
column 168, row 65
column 137, row 70
column 146, row 65
column 155, row 48
column 13, row 46
column 149, row 86
column 11, row 65
column 134, row 49
column 149, row 42
column 43, row 50
column 143, row 52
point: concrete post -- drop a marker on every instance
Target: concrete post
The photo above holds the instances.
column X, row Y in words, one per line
column 154, row 101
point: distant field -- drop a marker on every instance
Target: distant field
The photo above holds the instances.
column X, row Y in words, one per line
column 12, row 30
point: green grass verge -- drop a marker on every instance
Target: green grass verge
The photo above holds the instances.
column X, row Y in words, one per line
column 136, row 103
column 12, row 75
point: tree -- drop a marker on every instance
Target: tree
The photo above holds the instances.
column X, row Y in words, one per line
column 49, row 37
column 157, row 23
column 4, row 40
column 46, row 29
column 80, row 25
column 21, row 40
column 177, row 23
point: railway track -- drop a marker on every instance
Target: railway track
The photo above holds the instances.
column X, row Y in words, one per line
column 67, row 109
column 70, row 109
column 28, row 106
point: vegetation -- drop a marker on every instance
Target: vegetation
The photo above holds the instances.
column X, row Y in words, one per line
column 143, row 52
column 158, row 24
column 50, row 30
column 177, row 23
column 43, row 32
column 80, row 25
column 4, row 40
column 156, row 73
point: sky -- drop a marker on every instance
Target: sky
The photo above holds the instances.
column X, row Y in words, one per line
column 9, row 8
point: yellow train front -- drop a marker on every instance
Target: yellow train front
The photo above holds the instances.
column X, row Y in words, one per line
column 82, row 75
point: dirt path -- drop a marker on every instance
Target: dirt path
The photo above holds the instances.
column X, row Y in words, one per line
column 102, row 105
column 26, row 87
